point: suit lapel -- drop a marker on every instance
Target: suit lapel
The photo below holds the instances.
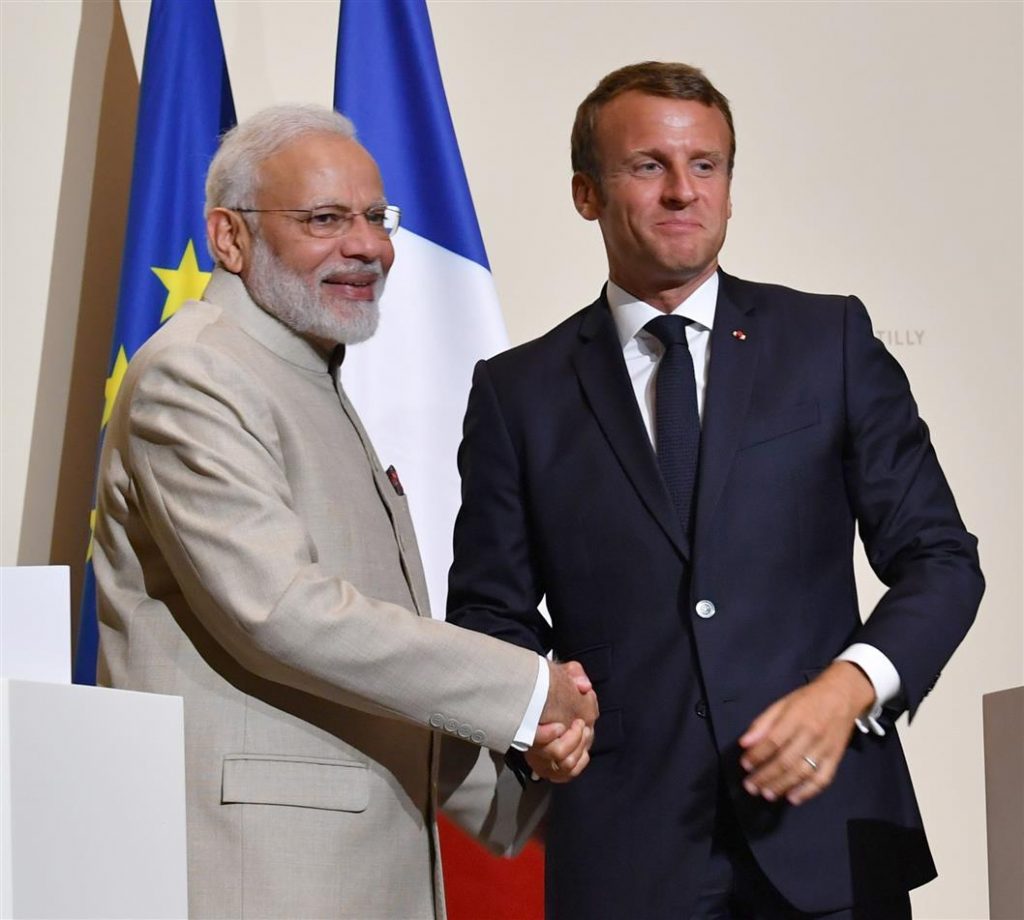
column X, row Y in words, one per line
column 609, row 393
column 401, row 523
column 731, row 377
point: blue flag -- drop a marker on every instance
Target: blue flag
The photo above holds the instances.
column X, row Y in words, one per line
column 440, row 312
column 185, row 104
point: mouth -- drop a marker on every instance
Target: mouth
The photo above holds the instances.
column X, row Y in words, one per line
column 353, row 285
column 680, row 225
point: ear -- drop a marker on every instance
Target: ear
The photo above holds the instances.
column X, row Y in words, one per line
column 229, row 239
column 586, row 196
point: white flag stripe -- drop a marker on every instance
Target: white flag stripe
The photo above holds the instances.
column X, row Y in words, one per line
column 410, row 382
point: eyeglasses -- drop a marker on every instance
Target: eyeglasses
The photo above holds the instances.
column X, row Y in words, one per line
column 332, row 221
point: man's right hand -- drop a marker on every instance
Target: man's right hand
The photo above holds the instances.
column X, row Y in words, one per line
column 561, row 749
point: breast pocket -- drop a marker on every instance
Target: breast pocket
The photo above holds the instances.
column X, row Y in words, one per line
column 781, row 423
column 303, row 782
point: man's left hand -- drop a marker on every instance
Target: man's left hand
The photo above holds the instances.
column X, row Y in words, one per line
column 794, row 747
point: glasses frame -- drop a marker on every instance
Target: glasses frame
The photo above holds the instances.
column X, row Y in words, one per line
column 390, row 210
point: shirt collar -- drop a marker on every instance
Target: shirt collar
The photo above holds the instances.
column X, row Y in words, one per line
column 631, row 315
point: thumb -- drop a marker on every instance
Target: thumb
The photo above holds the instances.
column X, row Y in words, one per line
column 575, row 670
column 760, row 726
column 547, row 733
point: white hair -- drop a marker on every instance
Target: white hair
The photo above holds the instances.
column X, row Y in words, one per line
column 233, row 178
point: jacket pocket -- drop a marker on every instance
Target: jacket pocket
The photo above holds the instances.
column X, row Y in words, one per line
column 597, row 662
column 777, row 424
column 304, row 782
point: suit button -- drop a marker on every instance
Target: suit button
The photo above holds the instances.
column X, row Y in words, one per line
column 705, row 609
column 478, row 737
column 451, row 725
column 437, row 720
column 701, row 709
column 464, row 730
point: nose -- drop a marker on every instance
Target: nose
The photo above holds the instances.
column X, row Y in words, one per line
column 361, row 240
column 679, row 189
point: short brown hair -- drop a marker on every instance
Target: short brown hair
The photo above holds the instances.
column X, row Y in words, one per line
column 674, row 81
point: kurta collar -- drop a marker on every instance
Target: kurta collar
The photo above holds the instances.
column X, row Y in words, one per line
column 226, row 290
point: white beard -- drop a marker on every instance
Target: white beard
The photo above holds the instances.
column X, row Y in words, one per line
column 298, row 302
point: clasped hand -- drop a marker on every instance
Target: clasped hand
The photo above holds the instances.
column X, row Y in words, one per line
column 561, row 748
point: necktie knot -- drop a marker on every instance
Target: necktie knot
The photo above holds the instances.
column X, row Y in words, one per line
column 669, row 329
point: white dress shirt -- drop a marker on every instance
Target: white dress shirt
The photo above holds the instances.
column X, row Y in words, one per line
column 642, row 351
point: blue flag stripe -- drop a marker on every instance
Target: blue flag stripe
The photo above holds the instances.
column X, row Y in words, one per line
column 388, row 82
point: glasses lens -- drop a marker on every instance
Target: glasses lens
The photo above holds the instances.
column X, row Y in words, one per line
column 328, row 222
column 334, row 222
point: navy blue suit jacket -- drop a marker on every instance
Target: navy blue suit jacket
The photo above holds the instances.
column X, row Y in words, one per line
column 809, row 429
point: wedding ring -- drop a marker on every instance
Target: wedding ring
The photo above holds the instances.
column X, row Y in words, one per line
column 811, row 762
column 554, row 767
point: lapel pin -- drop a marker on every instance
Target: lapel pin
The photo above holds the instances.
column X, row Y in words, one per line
column 739, row 335
column 396, row 483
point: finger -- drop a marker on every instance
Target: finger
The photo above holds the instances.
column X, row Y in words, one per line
column 547, row 733
column 565, row 745
column 760, row 727
column 807, row 789
column 790, row 771
column 757, row 757
column 581, row 765
column 541, row 767
column 802, row 792
column 785, row 768
column 573, row 763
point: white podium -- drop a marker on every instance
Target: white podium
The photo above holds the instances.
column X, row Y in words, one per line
column 92, row 781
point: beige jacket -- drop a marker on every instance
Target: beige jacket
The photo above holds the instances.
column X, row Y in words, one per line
column 252, row 556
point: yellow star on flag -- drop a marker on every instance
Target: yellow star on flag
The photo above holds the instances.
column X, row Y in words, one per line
column 113, row 384
column 186, row 282
column 92, row 531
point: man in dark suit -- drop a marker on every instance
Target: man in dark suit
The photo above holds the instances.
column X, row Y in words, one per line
column 684, row 493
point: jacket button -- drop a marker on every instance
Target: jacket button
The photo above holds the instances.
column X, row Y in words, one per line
column 478, row 737
column 464, row 730
column 451, row 725
column 705, row 609
column 437, row 720
column 701, row 709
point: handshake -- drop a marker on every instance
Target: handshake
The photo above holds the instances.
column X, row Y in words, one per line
column 561, row 747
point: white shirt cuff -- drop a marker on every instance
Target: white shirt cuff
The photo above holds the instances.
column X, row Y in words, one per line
column 884, row 678
column 531, row 719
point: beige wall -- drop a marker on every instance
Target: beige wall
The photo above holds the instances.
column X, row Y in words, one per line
column 880, row 152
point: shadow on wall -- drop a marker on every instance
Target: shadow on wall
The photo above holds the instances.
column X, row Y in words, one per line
column 83, row 284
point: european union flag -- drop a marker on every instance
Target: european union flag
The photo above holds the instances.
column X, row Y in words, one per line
column 185, row 104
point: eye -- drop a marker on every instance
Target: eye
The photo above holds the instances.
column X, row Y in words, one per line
column 646, row 168
column 704, row 167
column 376, row 217
column 327, row 217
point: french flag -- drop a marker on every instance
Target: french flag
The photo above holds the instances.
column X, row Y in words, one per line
column 439, row 316
column 439, row 312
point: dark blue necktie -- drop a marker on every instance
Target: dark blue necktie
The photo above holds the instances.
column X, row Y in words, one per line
column 677, row 422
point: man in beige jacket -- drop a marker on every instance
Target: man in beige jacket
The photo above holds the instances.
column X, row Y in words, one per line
column 253, row 557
